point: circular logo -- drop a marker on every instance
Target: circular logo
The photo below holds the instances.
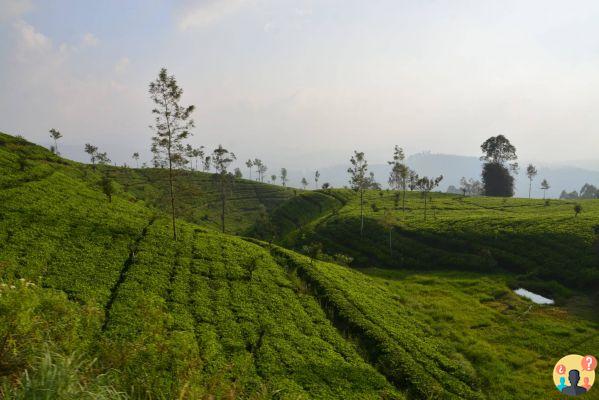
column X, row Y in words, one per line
column 574, row 374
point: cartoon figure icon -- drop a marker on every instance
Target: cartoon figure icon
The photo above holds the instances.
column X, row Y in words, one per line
column 562, row 384
column 574, row 389
column 574, row 375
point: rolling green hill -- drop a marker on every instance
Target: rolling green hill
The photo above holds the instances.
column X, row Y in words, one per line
column 198, row 201
column 542, row 245
column 214, row 316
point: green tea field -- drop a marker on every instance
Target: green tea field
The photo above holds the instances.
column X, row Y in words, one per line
column 98, row 302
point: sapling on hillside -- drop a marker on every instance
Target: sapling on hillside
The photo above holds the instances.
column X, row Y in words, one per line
column 426, row 185
column 55, row 134
column 398, row 177
column 249, row 163
column 283, row 177
column 222, row 159
column 544, row 187
column 172, row 124
column 107, row 187
column 577, row 209
column 389, row 221
column 304, row 183
column 359, row 181
column 316, row 178
column 531, row 172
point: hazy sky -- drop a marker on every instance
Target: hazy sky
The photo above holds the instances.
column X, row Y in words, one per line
column 303, row 83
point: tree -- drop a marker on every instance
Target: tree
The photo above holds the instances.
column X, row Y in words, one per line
column 249, row 163
column 237, row 173
column 102, row 158
column 206, row 163
column 136, row 158
column 531, row 172
column 577, row 209
column 388, row 222
column 426, row 185
column 273, row 179
column 304, row 183
column 359, row 181
column 55, row 134
column 497, row 179
column 326, row 185
column 399, row 174
column 172, row 125
column 316, row 178
column 107, row 187
column 544, row 187
column 284, row 177
column 92, row 151
column 588, row 191
column 197, row 153
column 260, row 168
column 222, row 159
column 413, row 179
column 470, row 187
column 313, row 250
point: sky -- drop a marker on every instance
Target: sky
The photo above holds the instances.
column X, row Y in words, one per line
column 303, row 83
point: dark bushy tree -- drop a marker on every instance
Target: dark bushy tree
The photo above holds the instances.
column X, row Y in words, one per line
column 497, row 180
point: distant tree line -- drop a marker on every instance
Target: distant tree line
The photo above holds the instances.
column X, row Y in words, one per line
column 587, row 191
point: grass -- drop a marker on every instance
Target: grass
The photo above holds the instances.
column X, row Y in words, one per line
column 542, row 246
column 97, row 301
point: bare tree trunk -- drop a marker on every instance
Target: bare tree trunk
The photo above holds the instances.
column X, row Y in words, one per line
column 361, row 212
column 222, row 196
column 403, row 205
column 529, row 188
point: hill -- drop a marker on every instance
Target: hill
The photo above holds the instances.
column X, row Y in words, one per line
column 217, row 316
column 542, row 245
column 198, row 200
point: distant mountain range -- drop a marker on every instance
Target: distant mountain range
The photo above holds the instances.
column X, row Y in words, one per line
column 454, row 167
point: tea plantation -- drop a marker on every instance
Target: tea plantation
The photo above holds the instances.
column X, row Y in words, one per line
column 98, row 302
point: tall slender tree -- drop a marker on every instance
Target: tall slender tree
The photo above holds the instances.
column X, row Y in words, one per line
column 93, row 152
column 273, row 179
column 316, row 178
column 206, row 162
column 359, row 181
column 55, row 134
column 136, row 158
column 399, row 174
column 172, row 125
column 249, row 163
column 283, row 177
column 531, row 172
column 388, row 221
column 544, row 187
column 222, row 159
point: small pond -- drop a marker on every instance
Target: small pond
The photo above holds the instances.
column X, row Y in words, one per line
column 535, row 298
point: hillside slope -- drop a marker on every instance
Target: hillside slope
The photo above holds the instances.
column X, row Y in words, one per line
column 217, row 316
column 543, row 245
column 198, row 199
column 207, row 315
